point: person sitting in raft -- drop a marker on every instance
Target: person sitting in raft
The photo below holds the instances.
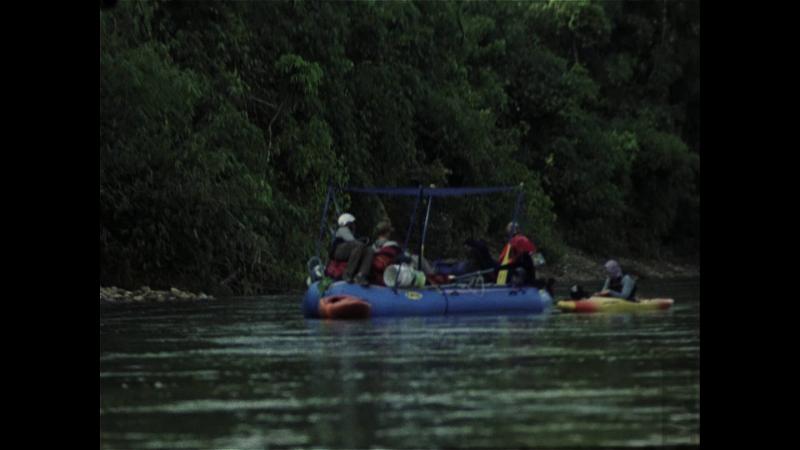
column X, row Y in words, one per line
column 385, row 252
column 520, row 250
column 479, row 259
column 618, row 284
column 346, row 247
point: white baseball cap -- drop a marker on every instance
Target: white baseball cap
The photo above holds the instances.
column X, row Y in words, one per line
column 345, row 219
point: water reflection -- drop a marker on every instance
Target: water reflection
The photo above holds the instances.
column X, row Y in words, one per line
column 254, row 373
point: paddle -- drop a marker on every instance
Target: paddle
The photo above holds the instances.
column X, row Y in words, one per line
column 503, row 274
column 472, row 274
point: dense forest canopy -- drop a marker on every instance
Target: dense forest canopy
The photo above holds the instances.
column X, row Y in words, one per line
column 222, row 123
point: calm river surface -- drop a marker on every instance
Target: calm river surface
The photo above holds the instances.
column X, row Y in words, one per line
column 253, row 373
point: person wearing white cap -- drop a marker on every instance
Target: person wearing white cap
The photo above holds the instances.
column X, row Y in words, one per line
column 346, row 247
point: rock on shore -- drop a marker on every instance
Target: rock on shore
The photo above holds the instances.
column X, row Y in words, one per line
column 146, row 295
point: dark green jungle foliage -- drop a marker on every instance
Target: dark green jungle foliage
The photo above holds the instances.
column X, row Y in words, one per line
column 221, row 124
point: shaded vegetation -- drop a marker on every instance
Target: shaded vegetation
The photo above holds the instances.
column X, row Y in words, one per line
column 221, row 124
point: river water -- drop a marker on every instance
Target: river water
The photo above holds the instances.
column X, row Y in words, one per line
column 253, row 373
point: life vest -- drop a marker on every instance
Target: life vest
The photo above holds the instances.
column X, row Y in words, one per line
column 520, row 251
column 615, row 284
column 335, row 269
column 518, row 245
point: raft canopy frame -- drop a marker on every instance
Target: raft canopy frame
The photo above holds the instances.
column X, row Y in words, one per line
column 419, row 192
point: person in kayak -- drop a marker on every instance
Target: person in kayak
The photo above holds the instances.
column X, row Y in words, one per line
column 519, row 252
column 618, row 284
column 346, row 247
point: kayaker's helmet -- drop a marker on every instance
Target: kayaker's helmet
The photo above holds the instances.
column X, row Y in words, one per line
column 513, row 228
column 613, row 268
column 346, row 219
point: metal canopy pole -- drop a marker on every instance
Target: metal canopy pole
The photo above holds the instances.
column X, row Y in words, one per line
column 516, row 210
column 408, row 235
column 413, row 219
column 424, row 233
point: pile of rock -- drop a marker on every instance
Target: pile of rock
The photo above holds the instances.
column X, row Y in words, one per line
column 145, row 294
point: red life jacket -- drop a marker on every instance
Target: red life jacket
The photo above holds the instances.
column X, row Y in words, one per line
column 335, row 269
column 518, row 246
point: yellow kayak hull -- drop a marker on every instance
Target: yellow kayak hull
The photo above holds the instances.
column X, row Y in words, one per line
column 612, row 304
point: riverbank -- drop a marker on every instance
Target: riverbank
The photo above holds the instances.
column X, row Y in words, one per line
column 577, row 266
column 144, row 294
column 573, row 267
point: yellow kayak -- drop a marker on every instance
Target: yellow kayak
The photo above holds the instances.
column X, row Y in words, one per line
column 612, row 304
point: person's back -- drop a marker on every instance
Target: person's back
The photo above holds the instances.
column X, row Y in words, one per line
column 343, row 234
column 519, row 253
column 346, row 247
column 385, row 251
column 522, row 245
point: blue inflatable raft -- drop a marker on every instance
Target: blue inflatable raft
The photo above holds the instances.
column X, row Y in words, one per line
column 344, row 300
column 432, row 301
